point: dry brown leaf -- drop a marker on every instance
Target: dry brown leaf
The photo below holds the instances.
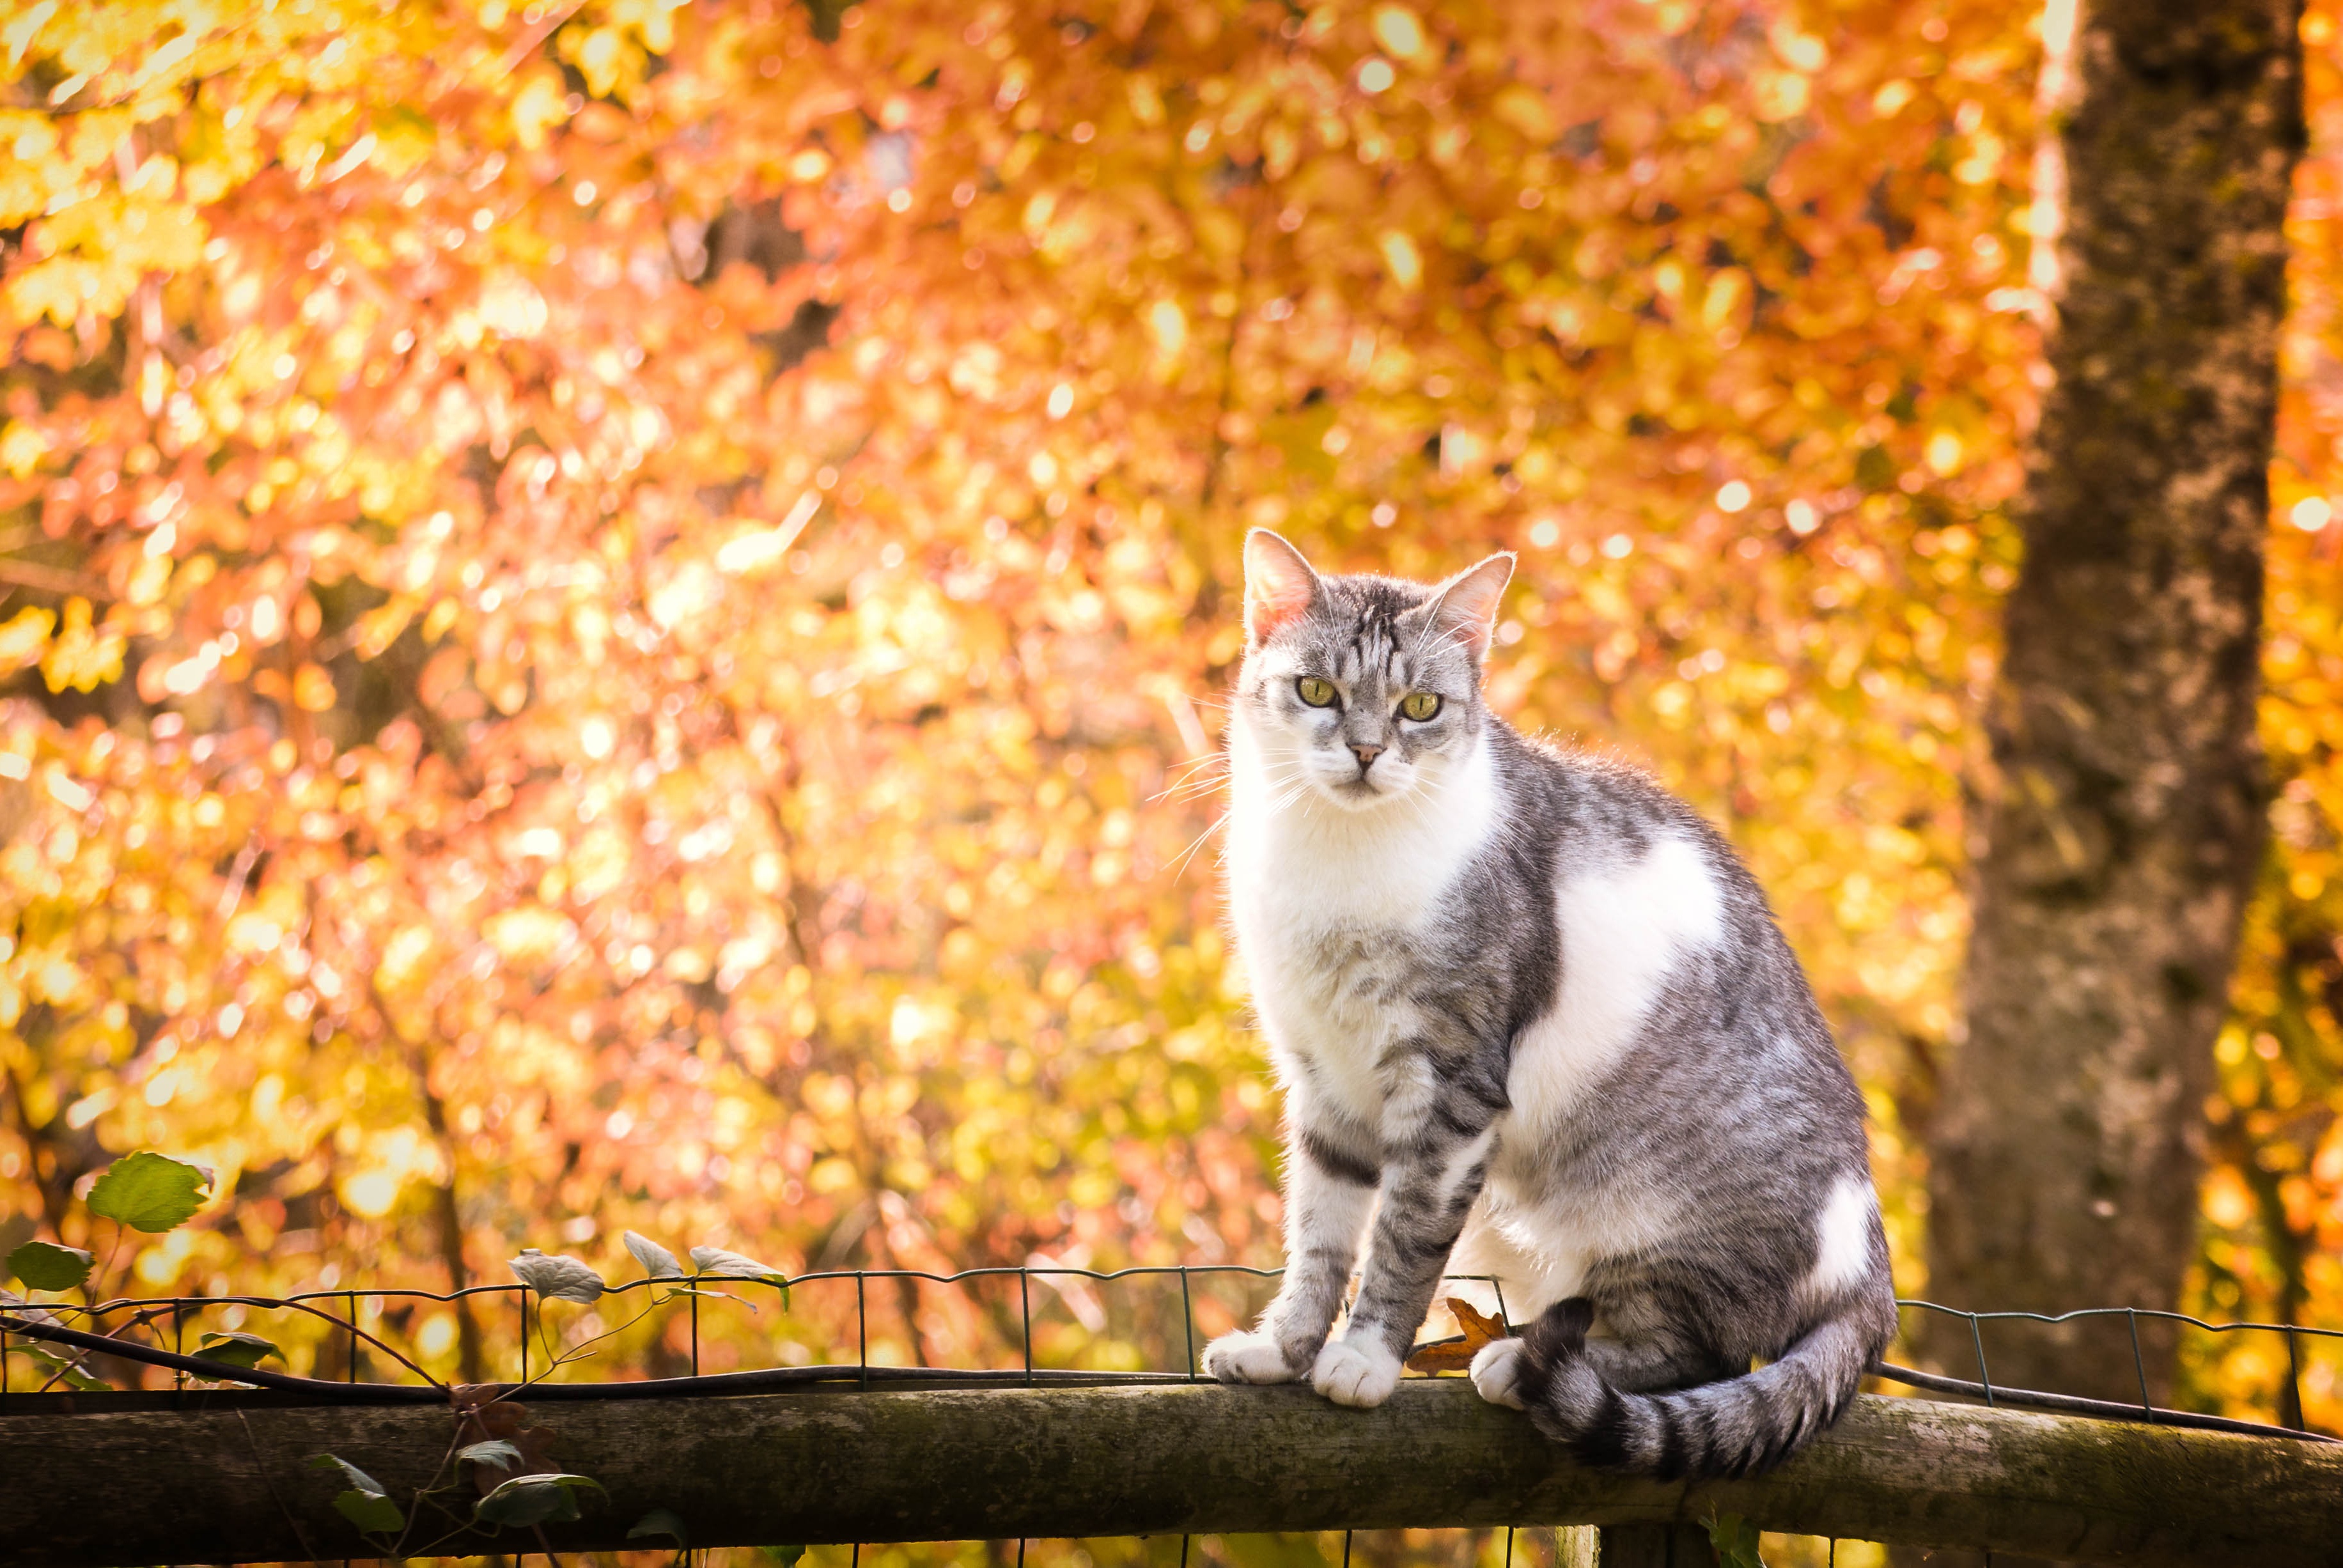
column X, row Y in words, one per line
column 1456, row 1354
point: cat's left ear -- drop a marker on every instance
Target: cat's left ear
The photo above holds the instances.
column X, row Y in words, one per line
column 1279, row 585
column 1466, row 606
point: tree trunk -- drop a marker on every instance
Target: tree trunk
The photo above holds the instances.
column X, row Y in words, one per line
column 2122, row 827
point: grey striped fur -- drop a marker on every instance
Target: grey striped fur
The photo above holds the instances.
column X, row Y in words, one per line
column 1534, row 1020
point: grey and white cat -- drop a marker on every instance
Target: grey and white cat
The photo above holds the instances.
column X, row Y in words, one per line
column 1534, row 1020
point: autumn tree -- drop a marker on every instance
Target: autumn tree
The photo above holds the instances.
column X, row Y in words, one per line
column 618, row 609
column 2124, row 828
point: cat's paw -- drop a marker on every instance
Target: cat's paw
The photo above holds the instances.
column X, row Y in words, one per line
column 1247, row 1356
column 1360, row 1374
column 1497, row 1372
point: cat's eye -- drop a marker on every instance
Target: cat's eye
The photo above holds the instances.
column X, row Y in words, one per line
column 1316, row 690
column 1420, row 706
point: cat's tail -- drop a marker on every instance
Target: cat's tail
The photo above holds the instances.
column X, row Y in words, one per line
column 1738, row 1426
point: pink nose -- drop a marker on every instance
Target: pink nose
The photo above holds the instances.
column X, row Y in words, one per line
column 1365, row 754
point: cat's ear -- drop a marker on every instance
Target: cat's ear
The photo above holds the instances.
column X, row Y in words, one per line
column 1466, row 606
column 1279, row 585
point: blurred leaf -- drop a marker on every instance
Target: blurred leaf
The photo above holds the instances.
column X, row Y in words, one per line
column 52, row 1367
column 660, row 1521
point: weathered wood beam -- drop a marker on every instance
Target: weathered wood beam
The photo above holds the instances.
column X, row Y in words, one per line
column 98, row 1490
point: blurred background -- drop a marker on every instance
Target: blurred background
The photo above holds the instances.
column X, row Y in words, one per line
column 615, row 613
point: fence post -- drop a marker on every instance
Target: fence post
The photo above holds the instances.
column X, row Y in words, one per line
column 1655, row 1546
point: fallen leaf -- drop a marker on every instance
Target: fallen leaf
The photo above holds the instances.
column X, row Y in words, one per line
column 1456, row 1354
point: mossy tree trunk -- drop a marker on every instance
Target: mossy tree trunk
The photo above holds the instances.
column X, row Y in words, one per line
column 2119, row 833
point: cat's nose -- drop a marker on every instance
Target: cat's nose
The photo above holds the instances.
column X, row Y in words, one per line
column 1365, row 753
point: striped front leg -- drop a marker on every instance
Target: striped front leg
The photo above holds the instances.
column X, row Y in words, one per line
column 1330, row 1183
column 1439, row 1130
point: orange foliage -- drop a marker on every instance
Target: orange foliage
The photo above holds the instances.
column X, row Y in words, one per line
column 608, row 595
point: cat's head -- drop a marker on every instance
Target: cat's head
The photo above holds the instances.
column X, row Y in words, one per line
column 1362, row 690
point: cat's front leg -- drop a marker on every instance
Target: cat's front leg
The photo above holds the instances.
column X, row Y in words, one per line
column 1441, row 1128
column 1330, row 1183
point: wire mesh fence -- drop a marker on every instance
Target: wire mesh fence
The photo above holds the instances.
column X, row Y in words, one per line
column 852, row 1328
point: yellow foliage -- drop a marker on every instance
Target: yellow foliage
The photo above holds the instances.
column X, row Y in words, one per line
column 647, row 642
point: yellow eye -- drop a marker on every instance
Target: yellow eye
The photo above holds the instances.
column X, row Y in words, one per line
column 1316, row 690
column 1420, row 705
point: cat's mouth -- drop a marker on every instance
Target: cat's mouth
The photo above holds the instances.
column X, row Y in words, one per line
column 1359, row 790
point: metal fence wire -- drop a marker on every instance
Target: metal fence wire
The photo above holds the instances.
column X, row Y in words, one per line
column 153, row 1332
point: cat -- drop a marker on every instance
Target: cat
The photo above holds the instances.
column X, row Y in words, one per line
column 1533, row 1020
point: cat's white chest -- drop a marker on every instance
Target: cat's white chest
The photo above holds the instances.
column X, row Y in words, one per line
column 1332, row 907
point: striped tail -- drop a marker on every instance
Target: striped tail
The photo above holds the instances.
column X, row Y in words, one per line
column 1740, row 1426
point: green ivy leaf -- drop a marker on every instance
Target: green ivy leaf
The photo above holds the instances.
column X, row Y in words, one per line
column 350, row 1473
column 371, row 1512
column 45, row 1266
column 365, row 1504
column 496, row 1453
column 1736, row 1542
column 661, row 1522
column 787, row 1557
column 236, row 1349
column 51, row 1367
column 149, row 1192
column 528, row 1499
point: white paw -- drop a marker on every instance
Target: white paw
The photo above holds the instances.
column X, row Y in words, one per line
column 1246, row 1356
column 1358, row 1373
column 1497, row 1372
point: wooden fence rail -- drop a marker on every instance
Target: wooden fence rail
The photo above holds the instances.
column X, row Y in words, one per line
column 230, row 1482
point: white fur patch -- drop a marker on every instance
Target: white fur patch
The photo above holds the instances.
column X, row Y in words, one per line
column 1843, row 1238
column 1497, row 1372
column 1246, row 1356
column 1541, row 1249
column 1360, row 1372
column 1411, row 1097
column 1623, row 930
column 1461, row 1161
